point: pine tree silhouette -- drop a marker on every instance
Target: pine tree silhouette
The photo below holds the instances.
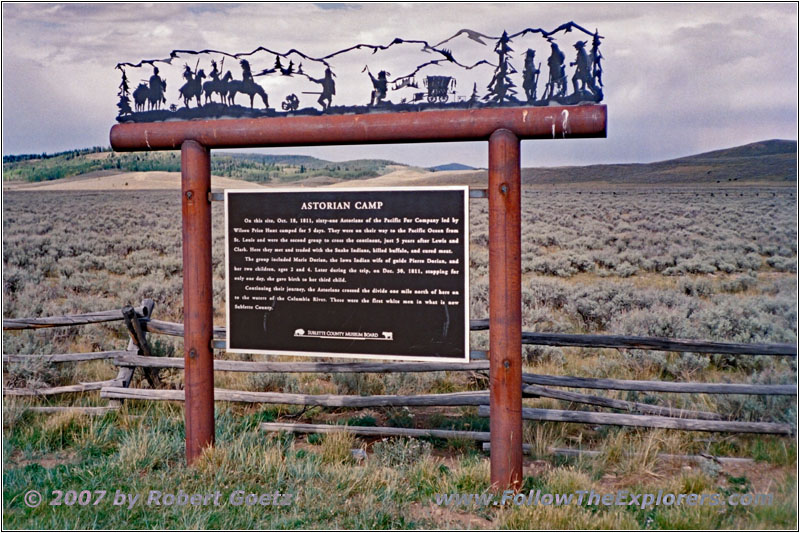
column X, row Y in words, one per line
column 501, row 88
column 124, row 88
column 474, row 97
column 124, row 103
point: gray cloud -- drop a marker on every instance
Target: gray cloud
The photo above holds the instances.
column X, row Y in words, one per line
column 680, row 78
column 336, row 5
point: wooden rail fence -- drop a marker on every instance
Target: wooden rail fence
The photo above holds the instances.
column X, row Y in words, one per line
column 138, row 354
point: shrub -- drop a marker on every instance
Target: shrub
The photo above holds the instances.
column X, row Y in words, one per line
column 401, row 452
column 739, row 283
column 358, row 384
column 273, row 381
column 695, row 287
column 783, row 264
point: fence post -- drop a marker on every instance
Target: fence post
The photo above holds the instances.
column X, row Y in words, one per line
column 140, row 339
column 505, row 311
column 197, row 298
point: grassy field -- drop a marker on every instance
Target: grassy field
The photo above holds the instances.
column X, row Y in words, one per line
column 692, row 263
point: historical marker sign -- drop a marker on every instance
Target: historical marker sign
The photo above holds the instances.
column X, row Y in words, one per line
column 456, row 73
column 361, row 273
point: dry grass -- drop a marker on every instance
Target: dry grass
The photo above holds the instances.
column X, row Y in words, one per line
column 335, row 447
column 72, row 263
column 567, row 517
column 131, row 181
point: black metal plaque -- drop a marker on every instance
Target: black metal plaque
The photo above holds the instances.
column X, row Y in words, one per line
column 464, row 71
column 357, row 273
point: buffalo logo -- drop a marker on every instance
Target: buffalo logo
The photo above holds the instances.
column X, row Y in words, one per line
column 388, row 335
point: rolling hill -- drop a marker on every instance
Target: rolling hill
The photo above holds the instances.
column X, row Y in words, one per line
column 260, row 168
column 771, row 162
column 450, row 166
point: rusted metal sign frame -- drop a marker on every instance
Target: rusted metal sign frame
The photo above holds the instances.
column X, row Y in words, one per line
column 503, row 128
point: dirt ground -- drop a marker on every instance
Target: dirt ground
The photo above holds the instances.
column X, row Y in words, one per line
column 109, row 180
column 415, row 177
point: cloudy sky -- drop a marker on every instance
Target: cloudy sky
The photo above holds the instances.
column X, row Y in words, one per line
column 679, row 78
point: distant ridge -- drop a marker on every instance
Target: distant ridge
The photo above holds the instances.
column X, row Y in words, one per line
column 772, row 161
column 769, row 162
column 756, row 149
column 764, row 163
column 451, row 166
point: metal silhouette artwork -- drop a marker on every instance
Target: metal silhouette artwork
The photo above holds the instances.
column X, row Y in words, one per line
column 379, row 87
column 501, row 88
column 300, row 84
column 557, row 83
column 530, row 76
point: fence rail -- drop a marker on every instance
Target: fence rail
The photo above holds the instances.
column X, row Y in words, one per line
column 663, row 422
column 325, row 400
column 139, row 322
column 175, row 329
column 659, row 386
column 69, row 320
column 644, row 408
column 50, row 391
column 132, row 360
column 657, row 344
column 66, row 357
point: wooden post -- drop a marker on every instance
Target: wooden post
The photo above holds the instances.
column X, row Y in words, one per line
column 503, row 126
column 505, row 311
column 139, row 337
column 197, row 298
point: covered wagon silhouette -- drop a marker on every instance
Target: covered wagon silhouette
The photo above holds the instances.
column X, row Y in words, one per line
column 439, row 88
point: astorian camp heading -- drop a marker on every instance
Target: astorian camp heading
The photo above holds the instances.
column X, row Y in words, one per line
column 341, row 205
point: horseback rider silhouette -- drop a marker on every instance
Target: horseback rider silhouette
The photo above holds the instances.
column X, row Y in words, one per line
column 214, row 74
column 246, row 86
column 215, row 84
column 157, row 90
column 247, row 74
column 193, row 88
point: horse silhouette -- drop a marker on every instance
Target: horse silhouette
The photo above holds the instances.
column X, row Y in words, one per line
column 193, row 88
column 140, row 95
column 248, row 87
column 219, row 86
column 143, row 94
